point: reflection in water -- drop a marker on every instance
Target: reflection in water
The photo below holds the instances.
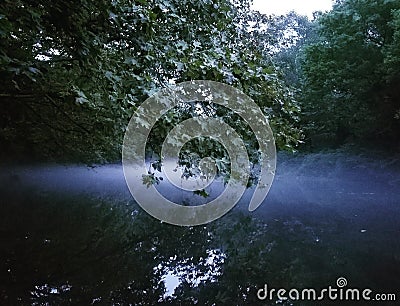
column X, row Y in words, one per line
column 43, row 293
column 206, row 270
column 80, row 239
column 171, row 282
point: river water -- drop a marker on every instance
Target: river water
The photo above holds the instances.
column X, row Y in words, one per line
column 326, row 216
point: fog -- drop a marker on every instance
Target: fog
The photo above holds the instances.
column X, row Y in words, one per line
column 359, row 187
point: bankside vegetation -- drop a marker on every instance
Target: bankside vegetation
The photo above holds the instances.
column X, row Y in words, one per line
column 72, row 73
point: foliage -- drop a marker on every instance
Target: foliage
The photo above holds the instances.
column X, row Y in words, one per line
column 351, row 83
column 300, row 32
column 73, row 73
column 55, row 90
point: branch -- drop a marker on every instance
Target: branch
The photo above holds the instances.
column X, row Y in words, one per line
column 66, row 115
column 44, row 121
column 52, row 102
column 17, row 96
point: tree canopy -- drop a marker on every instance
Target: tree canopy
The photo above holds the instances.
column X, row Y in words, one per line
column 351, row 74
column 73, row 73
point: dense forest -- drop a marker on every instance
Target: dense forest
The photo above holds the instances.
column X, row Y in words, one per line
column 74, row 72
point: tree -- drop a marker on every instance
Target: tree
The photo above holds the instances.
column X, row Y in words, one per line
column 299, row 33
column 73, row 73
column 351, row 74
column 55, row 92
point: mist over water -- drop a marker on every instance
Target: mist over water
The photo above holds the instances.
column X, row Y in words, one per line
column 321, row 181
column 327, row 215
